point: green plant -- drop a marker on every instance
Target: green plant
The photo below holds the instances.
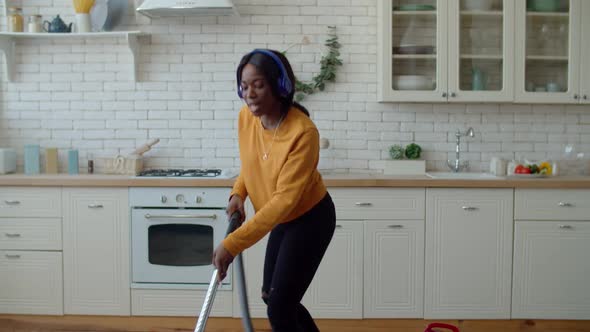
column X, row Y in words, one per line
column 413, row 151
column 329, row 63
column 396, row 152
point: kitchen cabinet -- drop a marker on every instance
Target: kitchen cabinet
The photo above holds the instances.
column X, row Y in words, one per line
column 96, row 251
column 551, row 51
column 445, row 51
column 468, row 253
column 551, row 242
column 31, row 251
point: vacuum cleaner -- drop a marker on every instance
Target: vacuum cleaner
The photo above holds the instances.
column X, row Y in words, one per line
column 234, row 223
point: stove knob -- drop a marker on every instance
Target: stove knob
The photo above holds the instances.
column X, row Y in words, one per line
column 163, row 199
column 198, row 199
column 180, row 198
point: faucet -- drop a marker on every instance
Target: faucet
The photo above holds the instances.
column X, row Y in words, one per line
column 458, row 165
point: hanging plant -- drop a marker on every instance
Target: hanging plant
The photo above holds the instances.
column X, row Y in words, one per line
column 329, row 63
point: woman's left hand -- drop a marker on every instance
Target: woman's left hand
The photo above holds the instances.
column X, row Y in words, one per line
column 221, row 260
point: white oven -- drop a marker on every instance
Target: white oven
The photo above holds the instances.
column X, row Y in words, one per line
column 173, row 234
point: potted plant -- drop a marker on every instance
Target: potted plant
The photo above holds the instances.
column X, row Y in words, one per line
column 404, row 160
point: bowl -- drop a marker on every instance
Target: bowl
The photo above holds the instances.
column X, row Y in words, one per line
column 478, row 4
column 412, row 82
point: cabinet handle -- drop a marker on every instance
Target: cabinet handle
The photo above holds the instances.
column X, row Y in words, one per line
column 565, row 226
column 363, row 204
column 12, row 234
column 12, row 202
column 576, row 97
column 565, row 204
column 395, row 226
column 95, row 206
column 12, row 256
column 453, row 95
column 585, row 97
column 338, row 226
column 444, row 95
column 179, row 216
column 469, row 208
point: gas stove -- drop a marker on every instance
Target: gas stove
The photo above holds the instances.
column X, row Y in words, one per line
column 189, row 173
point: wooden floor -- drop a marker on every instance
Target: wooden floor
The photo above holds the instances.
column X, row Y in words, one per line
column 25, row 323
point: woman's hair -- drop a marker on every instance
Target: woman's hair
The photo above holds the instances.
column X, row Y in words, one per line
column 272, row 73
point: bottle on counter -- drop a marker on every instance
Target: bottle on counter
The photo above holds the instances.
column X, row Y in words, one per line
column 15, row 19
column 73, row 162
column 90, row 163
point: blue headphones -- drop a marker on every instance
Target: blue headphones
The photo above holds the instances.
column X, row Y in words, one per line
column 285, row 85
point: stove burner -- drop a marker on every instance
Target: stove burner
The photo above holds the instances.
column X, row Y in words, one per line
column 200, row 173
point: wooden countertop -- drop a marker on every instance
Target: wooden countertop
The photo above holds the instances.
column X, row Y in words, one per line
column 331, row 180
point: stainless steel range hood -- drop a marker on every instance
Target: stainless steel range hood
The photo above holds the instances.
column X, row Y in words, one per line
column 175, row 8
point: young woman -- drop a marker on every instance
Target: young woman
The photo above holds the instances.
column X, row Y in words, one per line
column 279, row 152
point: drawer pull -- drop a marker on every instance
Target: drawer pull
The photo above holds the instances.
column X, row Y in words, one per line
column 565, row 226
column 14, row 202
column 363, row 204
column 395, row 226
column 565, row 204
column 12, row 234
column 338, row 226
column 95, row 206
column 469, row 208
column 12, row 256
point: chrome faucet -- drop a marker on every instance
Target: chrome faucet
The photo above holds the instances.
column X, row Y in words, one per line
column 458, row 165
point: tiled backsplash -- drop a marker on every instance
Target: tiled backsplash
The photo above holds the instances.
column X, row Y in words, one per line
column 77, row 93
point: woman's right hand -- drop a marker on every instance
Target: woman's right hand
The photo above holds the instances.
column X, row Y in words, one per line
column 236, row 203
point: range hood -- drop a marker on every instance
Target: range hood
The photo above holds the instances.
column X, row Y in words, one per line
column 175, row 8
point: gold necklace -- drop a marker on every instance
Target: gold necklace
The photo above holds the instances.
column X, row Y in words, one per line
column 267, row 152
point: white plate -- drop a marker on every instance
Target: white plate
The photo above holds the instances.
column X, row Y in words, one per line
column 98, row 14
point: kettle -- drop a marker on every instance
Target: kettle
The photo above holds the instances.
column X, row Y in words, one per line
column 57, row 25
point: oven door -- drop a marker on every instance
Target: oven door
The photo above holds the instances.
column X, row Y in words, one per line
column 175, row 246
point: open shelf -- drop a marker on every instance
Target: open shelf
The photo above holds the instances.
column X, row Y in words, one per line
column 8, row 44
column 415, row 56
column 481, row 57
column 547, row 14
column 413, row 12
column 498, row 13
column 548, row 57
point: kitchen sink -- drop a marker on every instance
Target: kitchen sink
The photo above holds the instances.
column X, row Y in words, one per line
column 462, row 175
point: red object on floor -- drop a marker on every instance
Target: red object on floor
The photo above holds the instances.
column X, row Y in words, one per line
column 431, row 326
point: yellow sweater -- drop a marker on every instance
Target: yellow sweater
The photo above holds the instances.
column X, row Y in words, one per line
column 284, row 186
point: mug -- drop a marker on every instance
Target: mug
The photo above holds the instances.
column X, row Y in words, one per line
column 498, row 166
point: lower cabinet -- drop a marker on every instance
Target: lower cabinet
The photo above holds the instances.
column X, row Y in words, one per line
column 96, row 251
column 337, row 289
column 31, row 282
column 468, row 253
column 394, row 269
column 551, row 270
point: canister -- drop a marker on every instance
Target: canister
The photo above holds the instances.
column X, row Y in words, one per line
column 32, row 159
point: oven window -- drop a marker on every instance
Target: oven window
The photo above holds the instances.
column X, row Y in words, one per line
column 180, row 244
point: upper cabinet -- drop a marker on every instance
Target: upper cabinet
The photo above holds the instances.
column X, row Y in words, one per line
column 446, row 50
column 552, row 43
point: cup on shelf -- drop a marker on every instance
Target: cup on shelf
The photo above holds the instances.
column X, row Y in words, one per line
column 553, row 87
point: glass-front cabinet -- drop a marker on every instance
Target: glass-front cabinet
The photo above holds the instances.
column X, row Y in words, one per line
column 413, row 50
column 551, row 51
column 481, row 54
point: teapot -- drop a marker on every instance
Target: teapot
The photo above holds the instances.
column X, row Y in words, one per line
column 57, row 25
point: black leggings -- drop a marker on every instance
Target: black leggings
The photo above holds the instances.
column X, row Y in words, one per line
column 293, row 254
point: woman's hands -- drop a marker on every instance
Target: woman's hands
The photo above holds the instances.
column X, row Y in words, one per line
column 236, row 203
column 221, row 260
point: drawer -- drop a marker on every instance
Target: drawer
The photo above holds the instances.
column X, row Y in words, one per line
column 378, row 203
column 30, row 202
column 30, row 234
column 32, row 282
column 552, row 204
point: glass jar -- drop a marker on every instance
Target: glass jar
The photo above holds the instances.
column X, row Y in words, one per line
column 35, row 24
column 15, row 19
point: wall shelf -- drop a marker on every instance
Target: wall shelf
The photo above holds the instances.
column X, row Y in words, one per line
column 8, row 44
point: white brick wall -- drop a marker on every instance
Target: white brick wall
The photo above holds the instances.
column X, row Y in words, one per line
column 77, row 93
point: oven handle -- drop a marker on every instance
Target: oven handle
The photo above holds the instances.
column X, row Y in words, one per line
column 179, row 216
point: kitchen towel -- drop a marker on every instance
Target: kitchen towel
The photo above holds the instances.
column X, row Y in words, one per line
column 32, row 159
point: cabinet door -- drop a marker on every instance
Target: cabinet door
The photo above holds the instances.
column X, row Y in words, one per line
column 96, row 251
column 468, row 253
column 551, row 270
column 585, row 54
column 31, row 282
column 481, row 50
column 336, row 291
column 548, row 51
column 412, row 54
column 394, row 269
